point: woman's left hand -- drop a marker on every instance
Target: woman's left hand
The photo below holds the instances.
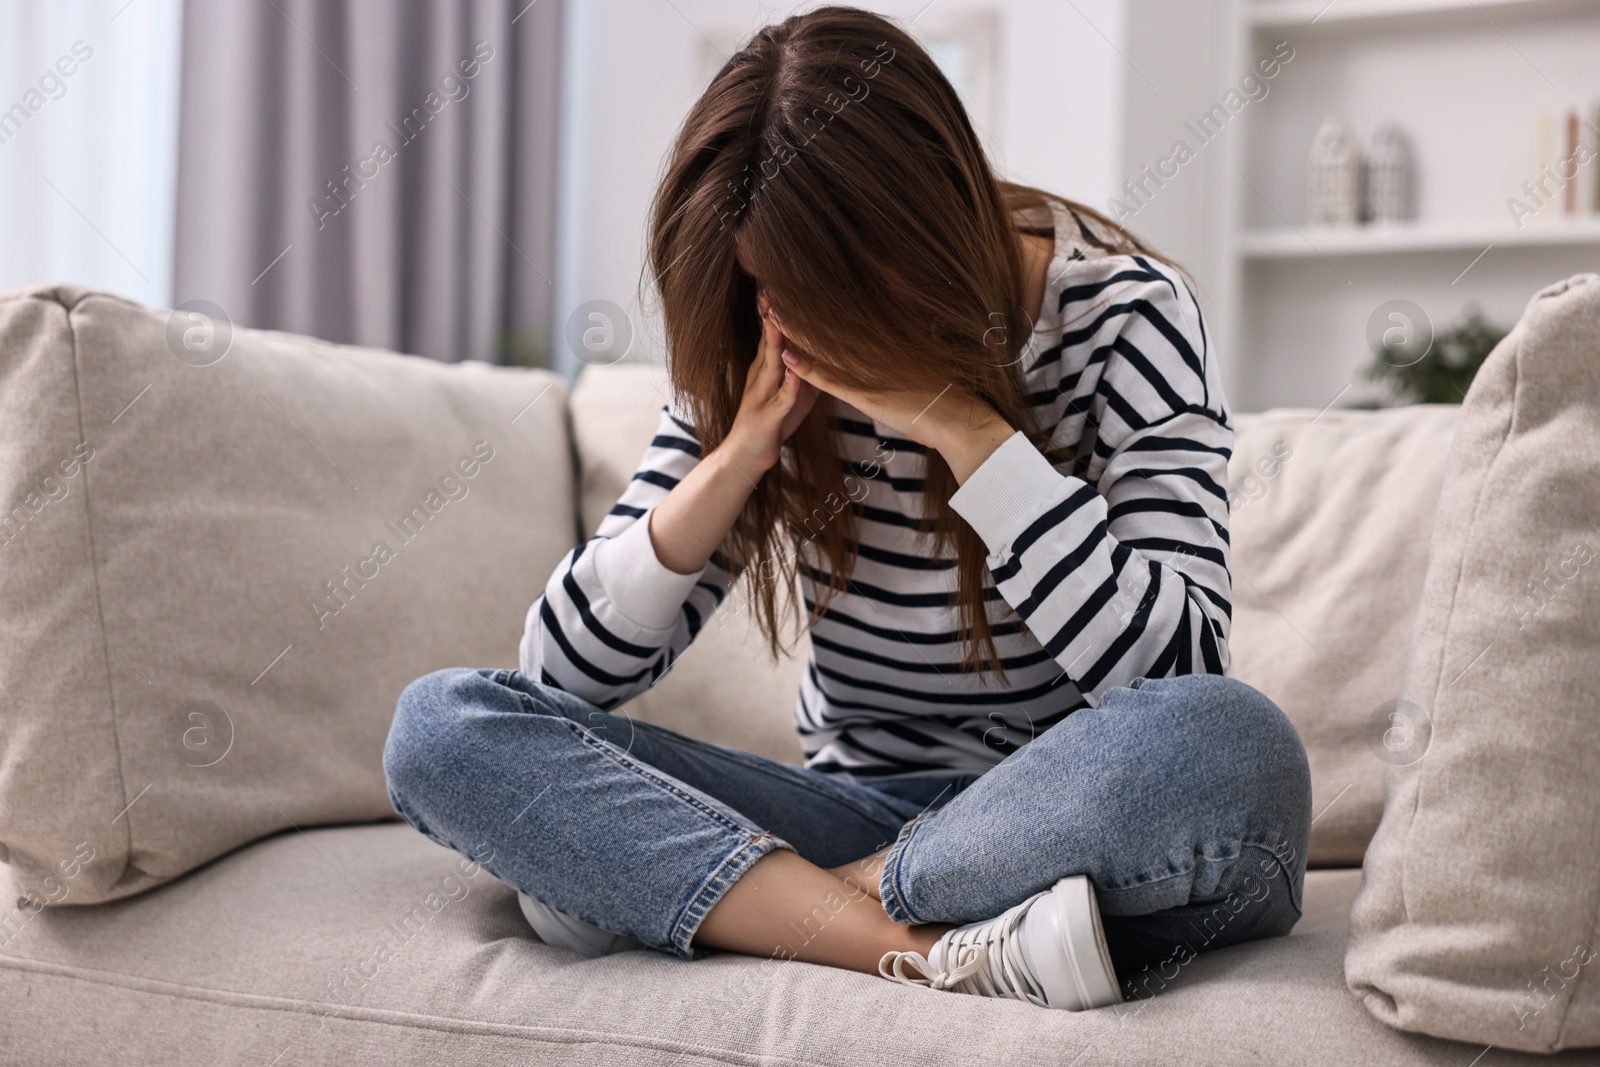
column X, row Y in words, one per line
column 962, row 428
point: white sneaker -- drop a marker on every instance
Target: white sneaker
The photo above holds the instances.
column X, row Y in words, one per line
column 561, row 930
column 1049, row 950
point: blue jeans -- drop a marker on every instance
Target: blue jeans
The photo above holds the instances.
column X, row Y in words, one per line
column 1185, row 800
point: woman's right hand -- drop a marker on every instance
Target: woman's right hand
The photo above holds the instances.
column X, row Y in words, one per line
column 774, row 404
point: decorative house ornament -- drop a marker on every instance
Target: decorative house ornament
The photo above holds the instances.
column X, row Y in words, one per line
column 1333, row 186
column 1388, row 175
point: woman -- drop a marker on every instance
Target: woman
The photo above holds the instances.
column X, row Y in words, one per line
column 983, row 427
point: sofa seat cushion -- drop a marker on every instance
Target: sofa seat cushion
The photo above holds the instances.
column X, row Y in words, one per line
column 370, row 944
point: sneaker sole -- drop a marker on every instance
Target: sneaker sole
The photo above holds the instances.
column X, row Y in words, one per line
column 559, row 930
column 1085, row 942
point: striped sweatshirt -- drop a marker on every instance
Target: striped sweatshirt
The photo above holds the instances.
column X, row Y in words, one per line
column 1111, row 567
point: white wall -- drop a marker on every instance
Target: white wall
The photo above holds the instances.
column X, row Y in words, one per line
column 88, row 168
column 1178, row 51
column 634, row 69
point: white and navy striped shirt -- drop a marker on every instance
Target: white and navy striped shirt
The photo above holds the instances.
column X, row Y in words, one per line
column 1117, row 567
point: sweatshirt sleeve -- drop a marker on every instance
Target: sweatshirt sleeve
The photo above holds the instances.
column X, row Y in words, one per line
column 1125, row 574
column 613, row 618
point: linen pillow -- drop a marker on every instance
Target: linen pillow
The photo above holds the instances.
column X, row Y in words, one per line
column 1476, row 916
column 223, row 554
column 1331, row 519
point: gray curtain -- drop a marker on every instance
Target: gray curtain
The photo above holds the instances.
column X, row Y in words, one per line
column 376, row 172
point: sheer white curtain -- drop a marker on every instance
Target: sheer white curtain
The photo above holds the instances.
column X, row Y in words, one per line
column 88, row 143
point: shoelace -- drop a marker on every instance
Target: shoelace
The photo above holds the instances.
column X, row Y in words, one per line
column 988, row 961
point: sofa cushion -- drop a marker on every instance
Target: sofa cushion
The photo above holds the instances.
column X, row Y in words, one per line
column 223, row 555
column 370, row 944
column 1477, row 918
column 1331, row 516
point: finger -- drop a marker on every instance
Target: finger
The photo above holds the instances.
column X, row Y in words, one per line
column 824, row 381
column 783, row 400
column 758, row 366
column 772, row 337
column 810, row 371
column 805, row 399
column 774, row 368
column 764, row 374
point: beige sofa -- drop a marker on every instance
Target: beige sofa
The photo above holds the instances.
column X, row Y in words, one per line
column 225, row 553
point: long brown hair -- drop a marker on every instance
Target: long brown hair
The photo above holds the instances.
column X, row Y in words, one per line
column 832, row 155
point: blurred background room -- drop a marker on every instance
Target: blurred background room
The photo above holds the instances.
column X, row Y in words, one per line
column 1365, row 192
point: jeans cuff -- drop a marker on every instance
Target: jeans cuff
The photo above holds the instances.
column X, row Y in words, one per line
column 892, row 887
column 721, row 880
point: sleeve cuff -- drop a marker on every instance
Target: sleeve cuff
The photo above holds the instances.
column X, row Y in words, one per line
column 1010, row 489
column 635, row 580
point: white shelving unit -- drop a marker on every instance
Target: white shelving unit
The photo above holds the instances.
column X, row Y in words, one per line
column 1467, row 82
column 1289, row 14
column 1298, row 242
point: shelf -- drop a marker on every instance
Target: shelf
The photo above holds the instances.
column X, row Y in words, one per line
column 1284, row 242
column 1291, row 14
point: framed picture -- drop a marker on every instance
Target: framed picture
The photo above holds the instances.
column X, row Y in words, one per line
column 965, row 44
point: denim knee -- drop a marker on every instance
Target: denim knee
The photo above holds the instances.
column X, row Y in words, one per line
column 1215, row 711
column 1247, row 732
column 1240, row 753
column 427, row 725
column 1276, row 751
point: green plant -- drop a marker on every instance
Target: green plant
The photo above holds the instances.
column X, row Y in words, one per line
column 525, row 349
column 1445, row 371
